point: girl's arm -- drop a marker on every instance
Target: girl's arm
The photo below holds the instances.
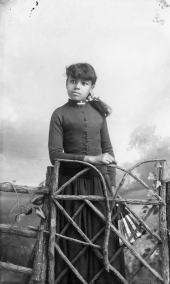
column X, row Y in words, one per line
column 108, row 155
column 55, row 143
column 107, row 148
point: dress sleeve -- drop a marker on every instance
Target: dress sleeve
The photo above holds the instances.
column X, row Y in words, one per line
column 107, row 148
column 55, row 142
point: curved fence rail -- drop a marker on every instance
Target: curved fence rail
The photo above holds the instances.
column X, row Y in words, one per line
column 42, row 258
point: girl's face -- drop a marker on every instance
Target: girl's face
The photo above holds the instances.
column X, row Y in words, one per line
column 78, row 89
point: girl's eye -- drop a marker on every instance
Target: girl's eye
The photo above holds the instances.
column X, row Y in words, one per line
column 73, row 81
column 84, row 83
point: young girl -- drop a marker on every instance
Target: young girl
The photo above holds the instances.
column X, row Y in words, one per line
column 78, row 131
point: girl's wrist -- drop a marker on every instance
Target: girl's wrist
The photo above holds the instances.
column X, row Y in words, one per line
column 89, row 159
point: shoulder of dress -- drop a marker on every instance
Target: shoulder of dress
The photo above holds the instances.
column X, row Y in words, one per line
column 63, row 112
column 96, row 112
column 60, row 109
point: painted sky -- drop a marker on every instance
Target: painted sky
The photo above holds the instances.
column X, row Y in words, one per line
column 127, row 42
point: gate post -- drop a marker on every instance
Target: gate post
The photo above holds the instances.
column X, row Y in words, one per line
column 51, row 248
column 163, row 227
column 45, row 223
column 36, row 272
column 168, row 211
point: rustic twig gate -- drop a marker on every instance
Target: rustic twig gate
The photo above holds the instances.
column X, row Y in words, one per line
column 42, row 260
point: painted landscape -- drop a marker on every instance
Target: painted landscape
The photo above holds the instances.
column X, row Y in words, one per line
column 127, row 42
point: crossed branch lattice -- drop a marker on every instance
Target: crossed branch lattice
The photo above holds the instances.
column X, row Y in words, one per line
column 108, row 225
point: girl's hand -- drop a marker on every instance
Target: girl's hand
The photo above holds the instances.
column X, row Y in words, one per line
column 105, row 159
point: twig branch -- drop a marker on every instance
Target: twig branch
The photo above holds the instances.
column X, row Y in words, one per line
column 8, row 187
column 108, row 217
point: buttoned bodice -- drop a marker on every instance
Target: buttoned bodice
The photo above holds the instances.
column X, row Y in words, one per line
column 76, row 131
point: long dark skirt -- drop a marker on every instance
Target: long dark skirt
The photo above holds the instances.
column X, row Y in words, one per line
column 88, row 264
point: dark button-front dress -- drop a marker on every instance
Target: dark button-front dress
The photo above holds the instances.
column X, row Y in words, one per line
column 77, row 131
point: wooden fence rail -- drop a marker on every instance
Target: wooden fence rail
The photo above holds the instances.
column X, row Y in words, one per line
column 41, row 265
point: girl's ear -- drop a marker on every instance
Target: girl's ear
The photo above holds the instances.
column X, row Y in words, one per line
column 91, row 95
column 92, row 87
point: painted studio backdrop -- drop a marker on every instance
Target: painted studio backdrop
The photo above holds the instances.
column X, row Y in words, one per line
column 127, row 42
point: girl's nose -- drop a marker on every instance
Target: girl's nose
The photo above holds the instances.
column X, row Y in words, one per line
column 77, row 86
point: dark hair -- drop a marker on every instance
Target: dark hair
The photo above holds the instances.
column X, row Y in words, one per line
column 85, row 71
column 82, row 71
column 104, row 109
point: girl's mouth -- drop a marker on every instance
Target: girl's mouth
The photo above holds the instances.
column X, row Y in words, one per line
column 75, row 93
